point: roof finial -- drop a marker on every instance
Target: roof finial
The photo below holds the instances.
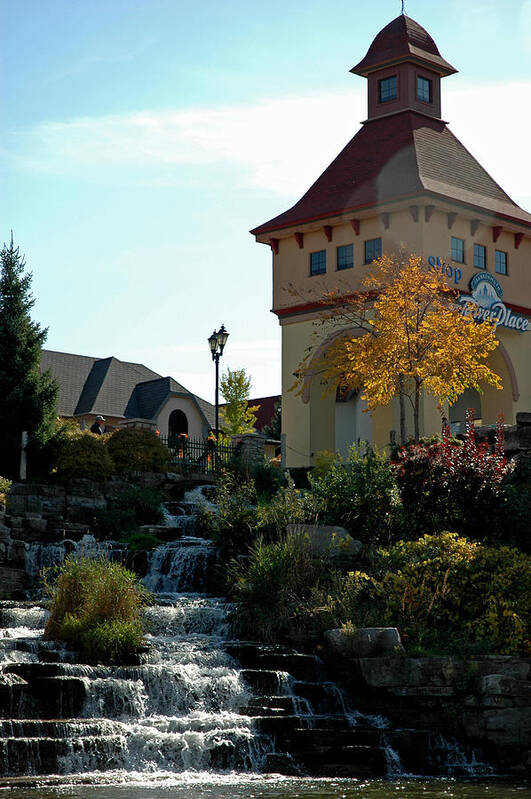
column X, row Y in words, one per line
column 403, row 6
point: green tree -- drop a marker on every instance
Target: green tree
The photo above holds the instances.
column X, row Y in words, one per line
column 237, row 416
column 27, row 398
column 274, row 428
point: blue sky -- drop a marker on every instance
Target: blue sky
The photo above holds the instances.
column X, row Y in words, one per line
column 142, row 139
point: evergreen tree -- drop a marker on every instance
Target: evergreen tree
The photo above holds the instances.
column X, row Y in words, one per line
column 274, row 428
column 237, row 417
column 27, row 398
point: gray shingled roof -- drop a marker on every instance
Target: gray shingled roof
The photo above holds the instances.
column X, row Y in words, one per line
column 113, row 387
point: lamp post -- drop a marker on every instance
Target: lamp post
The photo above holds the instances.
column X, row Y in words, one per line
column 217, row 343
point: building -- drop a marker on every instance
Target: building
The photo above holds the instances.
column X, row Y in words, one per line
column 403, row 180
column 126, row 394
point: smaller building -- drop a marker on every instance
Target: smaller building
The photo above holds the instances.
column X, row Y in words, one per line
column 125, row 394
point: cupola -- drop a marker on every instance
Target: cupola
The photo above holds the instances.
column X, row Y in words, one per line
column 404, row 68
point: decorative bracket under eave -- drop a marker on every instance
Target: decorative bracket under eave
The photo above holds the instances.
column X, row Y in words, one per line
column 328, row 232
column 274, row 245
column 385, row 217
column 496, row 232
column 414, row 211
column 518, row 239
column 474, row 224
column 428, row 211
column 299, row 238
column 355, row 226
column 451, row 219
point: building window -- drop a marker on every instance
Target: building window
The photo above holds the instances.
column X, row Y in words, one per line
column 424, row 90
column 480, row 256
column 318, row 262
column 373, row 250
column 458, row 250
column 388, row 89
column 177, row 424
column 345, row 257
column 501, row 262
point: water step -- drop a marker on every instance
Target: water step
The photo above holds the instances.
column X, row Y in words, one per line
column 45, row 698
column 264, row 682
column 55, row 728
column 269, row 706
column 298, row 739
column 345, row 761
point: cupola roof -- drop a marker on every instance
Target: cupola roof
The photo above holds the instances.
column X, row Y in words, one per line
column 403, row 40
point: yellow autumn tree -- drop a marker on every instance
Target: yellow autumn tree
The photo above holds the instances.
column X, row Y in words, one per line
column 410, row 336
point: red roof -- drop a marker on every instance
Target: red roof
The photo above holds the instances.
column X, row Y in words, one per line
column 264, row 414
column 403, row 39
column 395, row 157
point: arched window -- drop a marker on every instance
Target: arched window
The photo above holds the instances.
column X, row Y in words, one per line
column 177, row 423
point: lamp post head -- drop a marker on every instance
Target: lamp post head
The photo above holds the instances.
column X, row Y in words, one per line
column 222, row 338
column 213, row 344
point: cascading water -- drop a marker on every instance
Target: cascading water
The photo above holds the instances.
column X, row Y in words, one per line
column 187, row 707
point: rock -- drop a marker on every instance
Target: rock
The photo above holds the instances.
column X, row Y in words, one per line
column 365, row 642
column 13, row 583
column 328, row 540
column 36, row 523
column 503, row 685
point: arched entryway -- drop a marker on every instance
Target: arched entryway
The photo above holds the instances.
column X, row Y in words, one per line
column 352, row 425
column 177, row 424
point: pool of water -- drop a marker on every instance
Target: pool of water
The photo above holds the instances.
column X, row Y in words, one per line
column 196, row 786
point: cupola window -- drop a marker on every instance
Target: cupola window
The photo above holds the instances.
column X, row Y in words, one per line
column 424, row 90
column 388, row 89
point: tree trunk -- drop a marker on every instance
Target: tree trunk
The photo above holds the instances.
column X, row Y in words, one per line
column 416, row 410
column 402, row 402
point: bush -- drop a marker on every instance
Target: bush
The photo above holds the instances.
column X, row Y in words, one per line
column 359, row 494
column 5, row 485
column 446, row 594
column 133, row 507
column 95, row 607
column 514, row 511
column 137, row 450
column 449, row 485
column 233, row 526
column 82, row 455
column 288, row 506
column 140, row 542
column 277, row 590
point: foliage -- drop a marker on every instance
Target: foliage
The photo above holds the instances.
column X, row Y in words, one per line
column 278, row 588
column 267, row 480
column 514, row 511
column 133, row 449
column 324, row 460
column 140, row 542
column 27, row 398
column 274, row 428
column 5, row 485
column 360, row 494
column 449, row 485
column 288, row 506
column 445, row 593
column 237, row 417
column 82, row 455
column 131, row 508
column 410, row 336
column 95, row 607
column 233, row 526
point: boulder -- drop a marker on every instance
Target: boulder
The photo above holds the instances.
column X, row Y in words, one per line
column 329, row 540
column 365, row 642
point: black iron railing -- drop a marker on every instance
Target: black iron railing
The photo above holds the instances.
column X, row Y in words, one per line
column 198, row 455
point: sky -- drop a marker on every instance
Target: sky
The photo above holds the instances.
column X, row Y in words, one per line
column 140, row 141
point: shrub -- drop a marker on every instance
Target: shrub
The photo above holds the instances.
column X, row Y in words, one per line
column 140, row 542
column 133, row 507
column 233, row 526
column 449, row 485
column 514, row 511
column 288, row 506
column 359, row 494
column 267, row 480
column 95, row 607
column 134, row 449
column 5, row 485
column 277, row 590
column 446, row 593
column 82, row 455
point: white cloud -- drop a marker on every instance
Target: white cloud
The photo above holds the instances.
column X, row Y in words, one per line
column 279, row 145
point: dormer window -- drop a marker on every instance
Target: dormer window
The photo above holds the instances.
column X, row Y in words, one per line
column 388, row 89
column 424, row 90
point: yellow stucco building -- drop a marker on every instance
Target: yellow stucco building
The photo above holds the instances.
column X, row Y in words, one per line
column 404, row 180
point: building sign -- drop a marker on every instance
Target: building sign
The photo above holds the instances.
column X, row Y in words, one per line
column 485, row 302
column 447, row 270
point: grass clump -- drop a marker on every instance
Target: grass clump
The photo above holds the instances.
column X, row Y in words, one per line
column 95, row 607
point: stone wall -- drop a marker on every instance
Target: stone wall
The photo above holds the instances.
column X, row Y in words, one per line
column 484, row 700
